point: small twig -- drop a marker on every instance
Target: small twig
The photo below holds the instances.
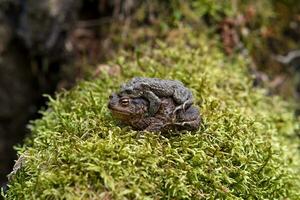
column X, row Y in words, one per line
column 289, row 57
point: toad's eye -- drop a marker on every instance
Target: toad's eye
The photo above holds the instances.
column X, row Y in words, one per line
column 125, row 102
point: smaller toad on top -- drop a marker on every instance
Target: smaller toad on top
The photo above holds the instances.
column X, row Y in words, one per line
column 153, row 89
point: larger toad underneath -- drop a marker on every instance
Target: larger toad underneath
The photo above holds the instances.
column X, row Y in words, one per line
column 134, row 112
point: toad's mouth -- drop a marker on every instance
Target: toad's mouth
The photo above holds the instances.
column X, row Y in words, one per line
column 121, row 112
column 124, row 115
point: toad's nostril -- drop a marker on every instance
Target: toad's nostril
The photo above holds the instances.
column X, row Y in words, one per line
column 113, row 95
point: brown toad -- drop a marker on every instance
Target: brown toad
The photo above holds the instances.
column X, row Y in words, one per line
column 134, row 112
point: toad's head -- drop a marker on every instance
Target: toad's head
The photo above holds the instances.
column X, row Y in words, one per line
column 126, row 108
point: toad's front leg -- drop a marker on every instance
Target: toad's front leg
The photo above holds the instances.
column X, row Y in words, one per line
column 154, row 102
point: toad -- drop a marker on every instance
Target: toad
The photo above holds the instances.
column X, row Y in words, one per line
column 133, row 111
column 153, row 89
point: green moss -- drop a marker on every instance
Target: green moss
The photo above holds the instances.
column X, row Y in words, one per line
column 241, row 151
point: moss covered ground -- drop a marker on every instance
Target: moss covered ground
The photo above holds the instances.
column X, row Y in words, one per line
column 246, row 147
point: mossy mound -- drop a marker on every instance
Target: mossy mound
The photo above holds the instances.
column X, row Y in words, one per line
column 78, row 151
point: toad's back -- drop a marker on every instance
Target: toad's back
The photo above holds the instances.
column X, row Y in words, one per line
column 162, row 88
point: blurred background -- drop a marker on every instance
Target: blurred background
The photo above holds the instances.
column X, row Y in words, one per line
column 48, row 45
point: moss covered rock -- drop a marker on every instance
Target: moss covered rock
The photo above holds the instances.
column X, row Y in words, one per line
column 242, row 150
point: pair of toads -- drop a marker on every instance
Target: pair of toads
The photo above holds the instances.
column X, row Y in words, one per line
column 155, row 105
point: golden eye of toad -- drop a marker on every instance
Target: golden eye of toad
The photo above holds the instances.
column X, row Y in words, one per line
column 124, row 102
